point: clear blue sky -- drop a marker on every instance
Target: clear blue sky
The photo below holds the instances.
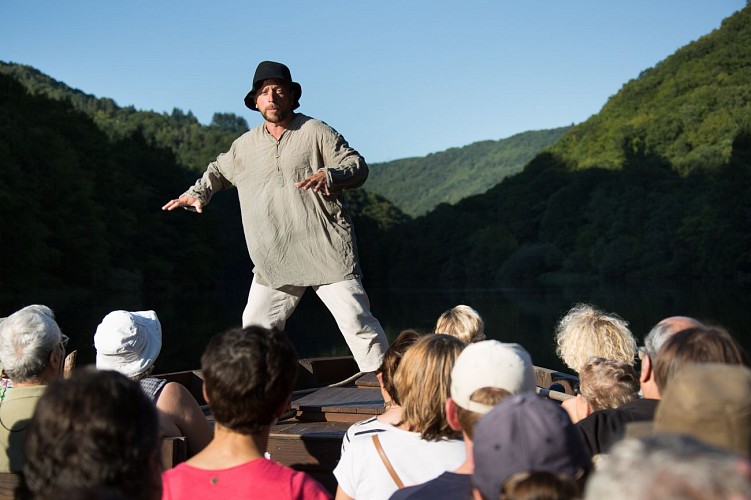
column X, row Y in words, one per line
column 397, row 79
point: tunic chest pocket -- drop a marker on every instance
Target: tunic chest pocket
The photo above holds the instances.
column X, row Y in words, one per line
column 297, row 166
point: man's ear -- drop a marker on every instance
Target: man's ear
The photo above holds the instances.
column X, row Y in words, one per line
column 56, row 360
column 203, row 391
column 451, row 416
column 646, row 369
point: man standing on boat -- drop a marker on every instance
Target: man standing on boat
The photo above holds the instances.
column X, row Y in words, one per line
column 289, row 172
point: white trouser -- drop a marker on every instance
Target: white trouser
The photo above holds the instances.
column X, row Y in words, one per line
column 347, row 302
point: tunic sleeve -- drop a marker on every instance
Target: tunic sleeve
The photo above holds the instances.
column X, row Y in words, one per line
column 345, row 167
column 218, row 176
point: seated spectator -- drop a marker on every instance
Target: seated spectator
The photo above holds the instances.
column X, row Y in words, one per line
column 528, row 444
column 664, row 329
column 669, row 466
column 710, row 402
column 248, row 375
column 703, row 344
column 485, row 373
column 601, row 429
column 586, row 332
column 95, row 430
column 32, row 350
column 462, row 322
column 129, row 342
column 393, row 410
column 603, row 384
column 423, row 445
column 653, row 341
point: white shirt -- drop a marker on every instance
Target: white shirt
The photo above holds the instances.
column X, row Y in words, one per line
column 361, row 473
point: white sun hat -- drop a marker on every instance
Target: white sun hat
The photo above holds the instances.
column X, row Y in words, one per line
column 128, row 342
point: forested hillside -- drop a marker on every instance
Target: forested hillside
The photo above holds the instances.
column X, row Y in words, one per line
column 687, row 109
column 417, row 185
column 193, row 144
column 658, row 186
column 644, row 221
column 82, row 211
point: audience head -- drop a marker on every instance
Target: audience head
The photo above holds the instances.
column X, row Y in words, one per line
column 249, row 375
column 664, row 329
column 128, row 342
column 94, row 430
column 32, row 348
column 605, row 383
column 711, row 402
column 422, row 383
column 586, row 332
column 391, row 359
column 704, row 344
column 462, row 322
column 484, row 373
column 669, row 466
column 526, row 434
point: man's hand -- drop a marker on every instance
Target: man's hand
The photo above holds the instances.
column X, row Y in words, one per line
column 184, row 201
column 317, row 181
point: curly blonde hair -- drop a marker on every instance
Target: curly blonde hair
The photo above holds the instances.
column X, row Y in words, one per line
column 586, row 332
column 462, row 322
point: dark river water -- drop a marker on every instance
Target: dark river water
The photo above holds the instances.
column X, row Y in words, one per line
column 526, row 315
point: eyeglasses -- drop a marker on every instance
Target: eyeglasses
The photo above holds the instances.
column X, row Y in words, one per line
column 64, row 340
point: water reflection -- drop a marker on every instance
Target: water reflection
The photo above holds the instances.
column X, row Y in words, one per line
column 526, row 315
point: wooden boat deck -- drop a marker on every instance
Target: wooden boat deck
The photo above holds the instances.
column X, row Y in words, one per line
column 311, row 440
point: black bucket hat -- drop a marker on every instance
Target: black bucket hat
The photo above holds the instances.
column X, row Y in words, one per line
column 269, row 70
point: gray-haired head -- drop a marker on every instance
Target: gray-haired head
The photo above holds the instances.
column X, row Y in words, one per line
column 668, row 466
column 664, row 329
column 26, row 339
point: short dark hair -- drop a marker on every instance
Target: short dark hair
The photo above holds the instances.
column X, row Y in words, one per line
column 248, row 374
column 97, row 429
column 702, row 344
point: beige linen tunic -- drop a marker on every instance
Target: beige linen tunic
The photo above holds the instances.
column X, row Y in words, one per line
column 294, row 236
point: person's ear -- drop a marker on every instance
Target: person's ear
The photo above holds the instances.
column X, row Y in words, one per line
column 203, row 391
column 451, row 416
column 646, row 369
column 56, row 359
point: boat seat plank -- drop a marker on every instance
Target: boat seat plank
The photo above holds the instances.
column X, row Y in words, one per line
column 368, row 380
column 342, row 400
